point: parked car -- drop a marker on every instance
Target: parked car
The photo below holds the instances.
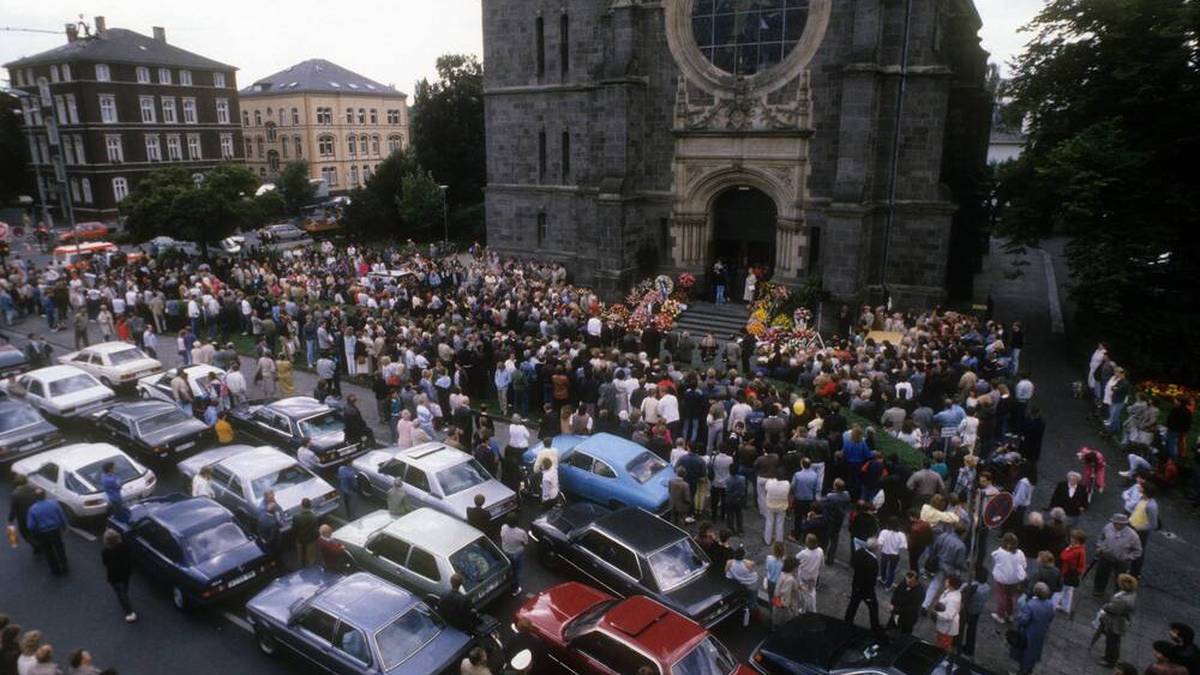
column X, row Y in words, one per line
column 229, row 246
column 421, row 549
column 12, row 361
column 116, row 364
column 158, row 386
column 818, row 644
column 23, row 431
column 164, row 243
column 62, row 391
column 283, row 232
column 242, row 474
column 353, row 624
column 609, row 470
column 71, row 474
column 193, row 545
column 84, row 232
column 437, row 476
column 633, row 552
column 287, row 422
column 589, row 631
column 152, row 429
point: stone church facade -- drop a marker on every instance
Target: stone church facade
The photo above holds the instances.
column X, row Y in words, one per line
column 815, row 137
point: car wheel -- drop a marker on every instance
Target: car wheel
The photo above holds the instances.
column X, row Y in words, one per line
column 547, row 556
column 266, row 641
column 364, row 485
column 179, row 599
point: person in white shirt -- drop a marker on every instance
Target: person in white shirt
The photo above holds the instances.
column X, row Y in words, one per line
column 650, row 408
column 1008, row 574
column 235, row 382
column 202, row 484
column 513, row 541
column 306, row 456
column 892, row 541
column 668, row 410
column 549, row 482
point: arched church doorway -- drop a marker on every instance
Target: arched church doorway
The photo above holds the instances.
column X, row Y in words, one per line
column 744, row 220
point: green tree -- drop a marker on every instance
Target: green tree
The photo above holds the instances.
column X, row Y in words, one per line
column 205, row 210
column 448, row 129
column 1109, row 91
column 421, row 202
column 374, row 209
column 294, row 185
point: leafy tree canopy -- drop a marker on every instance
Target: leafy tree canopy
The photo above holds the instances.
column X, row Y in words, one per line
column 294, row 185
column 1110, row 93
column 447, row 128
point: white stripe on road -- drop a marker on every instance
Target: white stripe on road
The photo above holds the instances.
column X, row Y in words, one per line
column 82, row 533
column 238, row 621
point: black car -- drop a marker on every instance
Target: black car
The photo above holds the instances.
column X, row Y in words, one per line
column 13, row 361
column 633, row 552
column 816, row 644
column 23, row 431
column 193, row 545
column 287, row 422
column 152, row 429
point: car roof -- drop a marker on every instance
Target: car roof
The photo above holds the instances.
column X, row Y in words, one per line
column 611, row 447
column 142, row 409
column 52, row 373
column 433, row 456
column 109, row 347
column 76, row 455
column 642, row 530
column 257, row 461
column 7, row 404
column 433, row 530
column 365, row 600
column 298, row 405
column 188, row 516
column 659, row 631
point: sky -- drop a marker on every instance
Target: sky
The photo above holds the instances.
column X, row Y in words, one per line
column 394, row 42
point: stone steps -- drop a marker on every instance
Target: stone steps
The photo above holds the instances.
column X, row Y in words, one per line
column 720, row 320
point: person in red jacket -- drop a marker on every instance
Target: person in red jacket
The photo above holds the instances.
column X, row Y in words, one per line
column 1072, row 564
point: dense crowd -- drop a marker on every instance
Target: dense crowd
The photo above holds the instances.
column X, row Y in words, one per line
column 902, row 447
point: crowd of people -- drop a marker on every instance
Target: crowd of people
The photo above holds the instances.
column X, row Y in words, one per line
column 26, row 652
column 903, row 447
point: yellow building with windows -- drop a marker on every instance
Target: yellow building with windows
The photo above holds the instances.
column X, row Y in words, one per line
column 341, row 122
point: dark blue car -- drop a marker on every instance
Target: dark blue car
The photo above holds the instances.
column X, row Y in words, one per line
column 194, row 545
column 357, row 624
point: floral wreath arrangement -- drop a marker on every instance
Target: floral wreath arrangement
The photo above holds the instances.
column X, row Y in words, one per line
column 653, row 302
column 778, row 318
column 1168, row 391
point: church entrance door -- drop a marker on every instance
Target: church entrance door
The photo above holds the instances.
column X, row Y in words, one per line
column 744, row 220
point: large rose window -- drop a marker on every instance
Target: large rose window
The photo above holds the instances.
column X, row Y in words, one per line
column 745, row 37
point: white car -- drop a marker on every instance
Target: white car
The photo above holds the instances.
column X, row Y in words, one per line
column 63, row 391
column 158, row 386
column 71, row 474
column 115, row 363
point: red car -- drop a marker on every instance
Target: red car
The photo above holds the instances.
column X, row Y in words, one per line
column 89, row 230
column 589, row 631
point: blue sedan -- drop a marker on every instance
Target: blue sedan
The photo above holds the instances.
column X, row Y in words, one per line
column 193, row 545
column 357, row 624
column 608, row 470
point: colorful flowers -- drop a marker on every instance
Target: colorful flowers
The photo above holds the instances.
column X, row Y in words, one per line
column 1167, row 391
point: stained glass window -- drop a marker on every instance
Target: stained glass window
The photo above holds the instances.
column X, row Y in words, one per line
column 744, row 37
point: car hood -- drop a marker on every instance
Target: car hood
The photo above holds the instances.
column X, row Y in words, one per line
column 328, row 441
column 276, row 600
column 357, row 532
column 701, row 594
column 550, row 610
column 245, row 555
column 290, row 497
column 185, row 429
column 493, row 492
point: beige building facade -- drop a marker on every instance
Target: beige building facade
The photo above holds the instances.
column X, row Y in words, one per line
column 343, row 124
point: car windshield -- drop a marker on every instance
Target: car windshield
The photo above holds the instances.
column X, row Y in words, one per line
column 125, row 470
column 462, row 476
column 708, row 658
column 214, row 541
column 676, row 563
column 72, row 384
column 861, row 651
column 163, row 420
column 645, row 466
column 125, row 356
column 587, row 620
column 17, row 417
column 406, row 635
column 279, row 480
column 319, row 425
column 477, row 561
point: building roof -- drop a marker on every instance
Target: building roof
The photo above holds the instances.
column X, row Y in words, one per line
column 317, row 76
column 120, row 45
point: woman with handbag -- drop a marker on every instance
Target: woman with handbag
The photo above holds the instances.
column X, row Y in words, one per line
column 1113, row 619
column 946, row 611
column 785, row 601
column 1028, row 636
column 1072, row 564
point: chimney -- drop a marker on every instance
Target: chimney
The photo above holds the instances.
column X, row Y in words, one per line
column 72, row 32
column 100, row 24
column 160, row 33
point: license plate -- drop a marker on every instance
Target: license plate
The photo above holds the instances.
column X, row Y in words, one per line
column 347, row 450
column 185, row 446
column 29, row 446
column 241, row 579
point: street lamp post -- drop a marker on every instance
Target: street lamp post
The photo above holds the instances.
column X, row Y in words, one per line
column 445, row 217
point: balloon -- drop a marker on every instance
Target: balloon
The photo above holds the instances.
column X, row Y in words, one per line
column 798, row 407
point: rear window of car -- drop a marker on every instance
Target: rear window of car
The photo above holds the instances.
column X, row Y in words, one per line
column 477, row 561
column 645, row 466
column 406, row 636
column 72, row 384
column 210, row 543
column 164, row 420
column 125, row 356
column 125, row 470
column 676, row 563
column 319, row 425
column 461, row 477
column 279, row 480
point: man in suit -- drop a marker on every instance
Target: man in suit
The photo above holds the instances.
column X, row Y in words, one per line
column 865, row 563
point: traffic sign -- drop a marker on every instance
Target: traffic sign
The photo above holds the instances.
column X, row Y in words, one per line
column 997, row 509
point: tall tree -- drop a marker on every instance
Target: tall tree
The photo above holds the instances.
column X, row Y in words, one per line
column 447, row 128
column 1110, row 93
column 421, row 203
column 294, row 185
column 374, row 209
column 171, row 202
